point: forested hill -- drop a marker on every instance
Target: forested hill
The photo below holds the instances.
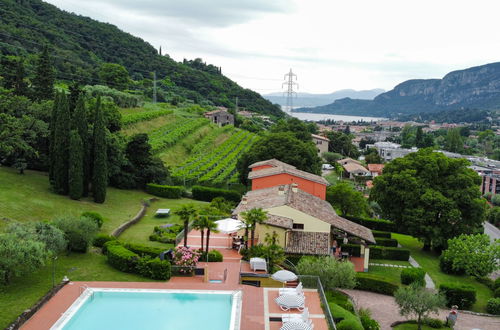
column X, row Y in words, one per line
column 472, row 88
column 80, row 45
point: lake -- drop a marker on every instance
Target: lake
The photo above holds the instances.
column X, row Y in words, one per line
column 323, row 116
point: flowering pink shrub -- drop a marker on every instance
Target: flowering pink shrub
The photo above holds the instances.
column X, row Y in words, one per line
column 186, row 258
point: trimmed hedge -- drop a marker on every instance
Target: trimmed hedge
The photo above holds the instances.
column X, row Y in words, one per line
column 207, row 194
column 99, row 220
column 382, row 234
column 101, row 239
column 154, row 268
column 493, row 306
column 122, row 259
column 341, row 315
column 106, row 245
column 374, row 224
column 413, row 275
column 142, row 250
column 213, row 256
column 390, row 242
column 171, row 192
column 374, row 283
column 463, row 296
column 353, row 249
column 349, row 324
column 390, row 253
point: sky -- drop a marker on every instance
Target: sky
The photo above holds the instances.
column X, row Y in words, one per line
column 330, row 44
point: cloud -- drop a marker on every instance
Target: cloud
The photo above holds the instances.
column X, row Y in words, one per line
column 203, row 13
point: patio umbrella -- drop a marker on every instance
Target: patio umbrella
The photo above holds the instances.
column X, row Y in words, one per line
column 296, row 326
column 288, row 301
column 284, row 276
column 229, row 226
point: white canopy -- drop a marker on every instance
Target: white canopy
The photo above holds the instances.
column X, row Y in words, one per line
column 229, row 226
column 284, row 276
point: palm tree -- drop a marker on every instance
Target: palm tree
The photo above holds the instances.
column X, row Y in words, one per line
column 251, row 219
column 200, row 223
column 211, row 227
column 186, row 212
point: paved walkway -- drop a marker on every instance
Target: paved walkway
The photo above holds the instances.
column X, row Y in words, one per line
column 429, row 283
column 494, row 233
column 385, row 310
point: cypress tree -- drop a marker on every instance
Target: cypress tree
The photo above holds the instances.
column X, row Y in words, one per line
column 75, row 171
column 80, row 123
column 100, row 172
column 43, row 83
column 61, row 146
column 19, row 84
column 52, row 131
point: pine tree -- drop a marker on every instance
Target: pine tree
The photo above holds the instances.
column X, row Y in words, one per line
column 43, row 83
column 100, row 172
column 80, row 123
column 61, row 146
column 75, row 171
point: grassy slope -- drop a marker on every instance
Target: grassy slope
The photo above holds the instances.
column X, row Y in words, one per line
column 430, row 263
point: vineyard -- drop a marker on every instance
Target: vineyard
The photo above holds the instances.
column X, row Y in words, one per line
column 218, row 166
column 170, row 134
column 134, row 118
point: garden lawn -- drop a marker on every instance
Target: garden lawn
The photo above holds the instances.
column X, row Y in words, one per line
column 23, row 292
column 139, row 233
column 430, row 263
column 390, row 274
column 28, row 198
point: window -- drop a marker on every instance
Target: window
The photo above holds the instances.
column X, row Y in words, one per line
column 298, row 226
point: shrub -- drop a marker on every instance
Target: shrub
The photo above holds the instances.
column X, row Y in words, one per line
column 446, row 266
column 433, row 323
column 496, row 293
column 121, row 258
column 100, row 239
column 349, row 324
column 390, row 253
column 186, row 258
column 96, row 217
column 207, row 194
column 497, row 283
column 78, row 232
column 105, row 246
column 333, row 273
column 214, row 256
column 155, row 269
column 456, row 294
column 375, row 224
column 172, row 192
column 353, row 249
column 413, row 275
column 142, row 250
column 495, row 200
column 258, row 250
column 374, row 283
column 493, row 306
column 340, row 314
column 390, row 242
column 122, row 99
column 366, row 320
column 382, row 234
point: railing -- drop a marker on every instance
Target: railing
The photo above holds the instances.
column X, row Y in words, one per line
column 314, row 282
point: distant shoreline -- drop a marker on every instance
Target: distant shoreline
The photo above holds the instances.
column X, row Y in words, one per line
column 324, row 116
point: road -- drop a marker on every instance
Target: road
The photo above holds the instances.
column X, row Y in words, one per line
column 492, row 231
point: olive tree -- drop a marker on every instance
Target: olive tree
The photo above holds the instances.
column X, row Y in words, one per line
column 332, row 273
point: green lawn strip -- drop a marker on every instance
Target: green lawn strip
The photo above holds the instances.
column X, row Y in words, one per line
column 390, row 262
column 139, row 232
column 23, row 292
column 28, row 198
column 430, row 263
column 390, row 274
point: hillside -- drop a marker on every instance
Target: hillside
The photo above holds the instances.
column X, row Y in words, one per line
column 473, row 88
column 79, row 45
column 313, row 100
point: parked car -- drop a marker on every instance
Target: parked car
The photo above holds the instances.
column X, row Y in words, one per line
column 327, row 167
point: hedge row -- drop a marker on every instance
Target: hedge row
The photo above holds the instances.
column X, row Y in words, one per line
column 142, row 250
column 382, row 234
column 101, row 239
column 390, row 242
column 208, row 193
column 374, row 283
column 374, row 224
column 125, row 260
column 390, row 253
column 493, row 306
column 463, row 296
column 172, row 192
column 413, row 275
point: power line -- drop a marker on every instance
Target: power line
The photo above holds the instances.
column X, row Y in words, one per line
column 290, row 93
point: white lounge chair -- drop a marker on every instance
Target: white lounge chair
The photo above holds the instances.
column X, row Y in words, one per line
column 297, row 326
column 302, row 317
column 289, row 301
column 296, row 290
column 258, row 264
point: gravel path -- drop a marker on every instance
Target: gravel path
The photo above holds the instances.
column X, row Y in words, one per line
column 385, row 311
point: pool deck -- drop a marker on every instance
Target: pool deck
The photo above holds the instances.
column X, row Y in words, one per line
column 258, row 304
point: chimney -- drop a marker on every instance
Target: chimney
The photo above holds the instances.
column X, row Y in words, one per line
column 281, row 190
column 244, row 200
column 295, row 187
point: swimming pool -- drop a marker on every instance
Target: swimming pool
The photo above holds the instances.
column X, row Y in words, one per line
column 125, row 309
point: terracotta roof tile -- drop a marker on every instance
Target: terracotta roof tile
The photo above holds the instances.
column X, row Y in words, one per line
column 303, row 242
column 376, row 167
column 320, row 137
column 353, row 167
column 279, row 221
column 280, row 168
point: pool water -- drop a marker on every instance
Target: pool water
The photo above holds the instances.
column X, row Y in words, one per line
column 153, row 310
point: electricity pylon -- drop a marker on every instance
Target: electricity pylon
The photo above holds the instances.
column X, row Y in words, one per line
column 290, row 93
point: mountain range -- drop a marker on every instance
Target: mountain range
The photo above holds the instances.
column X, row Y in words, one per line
column 473, row 88
column 314, row 100
column 80, row 45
